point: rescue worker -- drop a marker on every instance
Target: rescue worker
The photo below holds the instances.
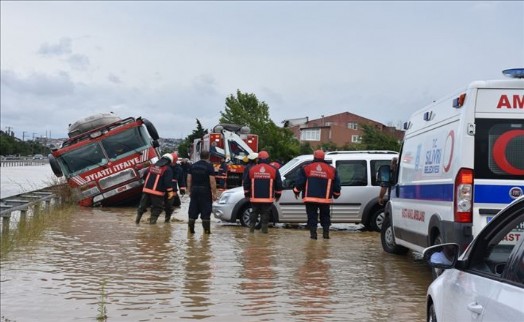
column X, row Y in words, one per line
column 386, row 186
column 221, row 175
column 262, row 186
column 178, row 184
column 202, row 190
column 319, row 182
column 157, row 185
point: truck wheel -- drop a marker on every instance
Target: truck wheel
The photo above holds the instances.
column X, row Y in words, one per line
column 377, row 219
column 388, row 239
column 55, row 166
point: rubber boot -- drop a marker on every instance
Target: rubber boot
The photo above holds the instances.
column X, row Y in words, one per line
column 313, row 233
column 325, row 233
column 252, row 222
column 168, row 218
column 206, row 224
column 153, row 219
column 138, row 217
column 191, row 226
column 264, row 219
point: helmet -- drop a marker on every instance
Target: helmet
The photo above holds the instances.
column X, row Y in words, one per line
column 263, row 155
column 168, row 156
column 275, row 165
column 318, row 154
column 175, row 157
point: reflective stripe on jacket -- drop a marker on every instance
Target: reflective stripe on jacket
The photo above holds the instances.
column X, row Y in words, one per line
column 158, row 180
column 319, row 181
column 263, row 183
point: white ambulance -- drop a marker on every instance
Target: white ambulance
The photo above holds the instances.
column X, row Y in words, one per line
column 462, row 160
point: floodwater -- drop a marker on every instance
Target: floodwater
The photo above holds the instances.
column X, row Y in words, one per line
column 97, row 261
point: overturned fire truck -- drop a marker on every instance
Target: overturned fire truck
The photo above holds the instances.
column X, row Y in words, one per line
column 104, row 158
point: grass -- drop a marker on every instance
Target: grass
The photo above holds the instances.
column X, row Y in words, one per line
column 102, row 309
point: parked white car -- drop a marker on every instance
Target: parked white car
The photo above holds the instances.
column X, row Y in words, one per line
column 486, row 283
column 358, row 202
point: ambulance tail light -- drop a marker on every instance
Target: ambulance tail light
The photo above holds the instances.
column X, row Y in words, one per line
column 459, row 101
column 463, row 199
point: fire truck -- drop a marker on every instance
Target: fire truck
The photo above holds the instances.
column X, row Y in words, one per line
column 104, row 158
column 231, row 143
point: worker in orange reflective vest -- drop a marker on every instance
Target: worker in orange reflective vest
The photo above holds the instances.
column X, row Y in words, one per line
column 319, row 182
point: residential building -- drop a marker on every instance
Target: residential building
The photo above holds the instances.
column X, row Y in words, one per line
column 341, row 129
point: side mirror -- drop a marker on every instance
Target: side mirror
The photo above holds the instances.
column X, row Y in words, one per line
column 442, row 256
column 156, row 144
column 384, row 174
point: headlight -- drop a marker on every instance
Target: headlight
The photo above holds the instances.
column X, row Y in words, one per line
column 224, row 198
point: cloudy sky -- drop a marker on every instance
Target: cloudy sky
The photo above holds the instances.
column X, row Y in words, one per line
column 174, row 62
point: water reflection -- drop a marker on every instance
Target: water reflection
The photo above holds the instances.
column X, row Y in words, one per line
column 314, row 281
column 257, row 285
column 197, row 279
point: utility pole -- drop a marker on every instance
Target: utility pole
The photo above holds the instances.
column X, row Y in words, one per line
column 23, row 135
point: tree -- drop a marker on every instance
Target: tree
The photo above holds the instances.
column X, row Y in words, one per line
column 373, row 139
column 184, row 147
column 246, row 109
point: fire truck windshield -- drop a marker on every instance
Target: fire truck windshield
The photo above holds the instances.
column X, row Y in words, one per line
column 98, row 153
column 84, row 158
column 124, row 144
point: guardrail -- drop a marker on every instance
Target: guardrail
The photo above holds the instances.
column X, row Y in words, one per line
column 22, row 162
column 24, row 202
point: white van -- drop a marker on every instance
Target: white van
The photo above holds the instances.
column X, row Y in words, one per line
column 462, row 160
column 358, row 202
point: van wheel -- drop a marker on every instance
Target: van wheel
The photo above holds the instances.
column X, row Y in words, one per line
column 388, row 239
column 377, row 220
column 244, row 217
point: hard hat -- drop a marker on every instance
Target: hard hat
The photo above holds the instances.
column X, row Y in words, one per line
column 245, row 159
column 175, row 157
column 318, row 154
column 263, row 155
column 275, row 164
column 168, row 156
column 252, row 156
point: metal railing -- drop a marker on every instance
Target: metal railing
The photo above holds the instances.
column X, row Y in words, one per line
column 26, row 201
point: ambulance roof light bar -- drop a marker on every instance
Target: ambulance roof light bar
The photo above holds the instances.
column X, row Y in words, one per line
column 514, row 72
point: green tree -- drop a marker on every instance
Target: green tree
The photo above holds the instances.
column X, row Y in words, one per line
column 184, row 147
column 373, row 139
column 246, row 109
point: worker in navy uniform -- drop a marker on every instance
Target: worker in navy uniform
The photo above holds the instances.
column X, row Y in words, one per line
column 262, row 186
column 158, row 185
column 179, row 185
column 319, row 182
column 201, row 187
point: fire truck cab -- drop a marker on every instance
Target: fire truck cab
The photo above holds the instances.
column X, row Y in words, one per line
column 229, row 143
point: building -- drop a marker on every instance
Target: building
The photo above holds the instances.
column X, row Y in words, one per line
column 343, row 129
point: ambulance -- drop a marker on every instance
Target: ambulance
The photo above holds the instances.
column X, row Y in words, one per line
column 461, row 161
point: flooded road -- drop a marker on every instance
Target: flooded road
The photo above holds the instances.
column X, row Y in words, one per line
column 96, row 262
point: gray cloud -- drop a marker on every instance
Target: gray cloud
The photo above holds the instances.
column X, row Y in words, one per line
column 63, row 47
column 38, row 84
column 78, row 62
